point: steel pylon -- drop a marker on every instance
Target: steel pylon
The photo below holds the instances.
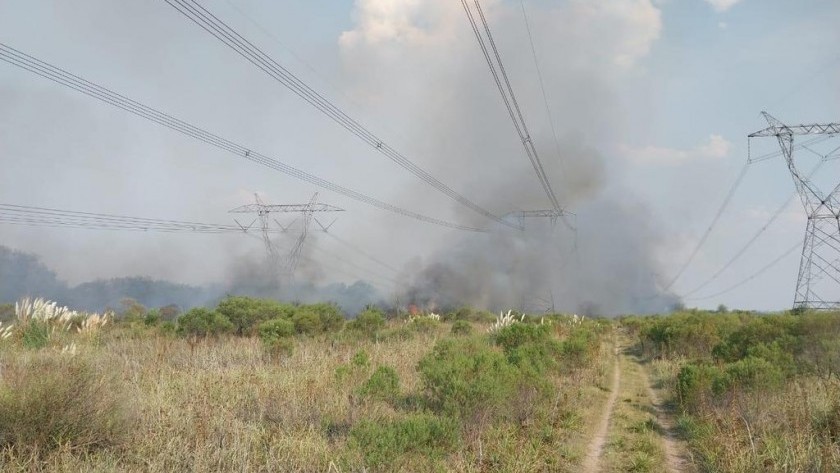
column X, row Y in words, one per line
column 818, row 281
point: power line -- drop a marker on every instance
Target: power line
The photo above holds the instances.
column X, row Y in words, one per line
column 542, row 85
column 752, row 276
column 708, row 231
column 43, row 216
column 227, row 35
column 60, row 76
column 508, row 97
column 23, row 215
column 363, row 253
column 752, row 240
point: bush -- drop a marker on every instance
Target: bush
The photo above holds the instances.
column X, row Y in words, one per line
column 330, row 316
column 272, row 330
column 580, row 349
column 695, row 383
column 245, row 313
column 50, row 401
column 423, row 325
column 383, row 385
column 201, row 322
column 384, row 444
column 469, row 379
column 152, row 318
column 530, row 347
column 360, row 359
column 461, row 327
column 307, row 322
column 368, row 322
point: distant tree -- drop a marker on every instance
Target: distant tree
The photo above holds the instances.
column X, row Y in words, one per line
column 201, row 322
column 131, row 309
column 169, row 312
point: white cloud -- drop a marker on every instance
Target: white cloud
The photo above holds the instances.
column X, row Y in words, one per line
column 722, row 5
column 722, row 25
column 619, row 32
column 717, row 147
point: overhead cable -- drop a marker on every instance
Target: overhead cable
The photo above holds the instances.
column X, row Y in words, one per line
column 60, row 76
column 711, row 226
column 227, row 35
column 500, row 77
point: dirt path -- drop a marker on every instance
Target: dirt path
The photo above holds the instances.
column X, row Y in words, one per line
column 596, row 446
column 639, row 433
column 675, row 453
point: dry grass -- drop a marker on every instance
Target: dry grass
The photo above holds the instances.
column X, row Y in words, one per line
column 227, row 404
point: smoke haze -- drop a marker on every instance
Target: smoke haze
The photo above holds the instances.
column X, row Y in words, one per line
column 413, row 72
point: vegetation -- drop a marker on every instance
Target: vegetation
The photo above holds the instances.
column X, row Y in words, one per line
column 263, row 385
column 754, row 392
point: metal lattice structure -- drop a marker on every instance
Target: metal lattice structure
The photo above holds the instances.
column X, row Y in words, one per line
column 552, row 215
column 264, row 211
column 818, row 282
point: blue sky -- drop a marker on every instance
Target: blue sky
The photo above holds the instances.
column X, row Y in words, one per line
column 663, row 92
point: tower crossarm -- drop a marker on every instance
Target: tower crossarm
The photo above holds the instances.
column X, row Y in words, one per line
column 812, row 129
column 287, row 208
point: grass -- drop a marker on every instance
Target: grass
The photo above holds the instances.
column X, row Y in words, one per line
column 150, row 400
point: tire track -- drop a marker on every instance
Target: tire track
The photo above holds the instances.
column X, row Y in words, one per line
column 596, row 446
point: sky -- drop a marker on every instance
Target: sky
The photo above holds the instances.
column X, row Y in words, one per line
column 651, row 101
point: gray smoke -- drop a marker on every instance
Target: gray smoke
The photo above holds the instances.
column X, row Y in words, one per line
column 417, row 78
column 611, row 267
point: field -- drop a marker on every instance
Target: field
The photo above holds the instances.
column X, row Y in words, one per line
column 256, row 385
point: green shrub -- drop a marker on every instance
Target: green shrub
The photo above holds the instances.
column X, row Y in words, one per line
column 461, row 327
column 245, row 313
column 383, row 385
column 386, row 444
column 695, row 383
column 152, row 318
column 469, row 314
column 201, row 322
column 580, row 349
column 330, row 316
column 530, row 347
column 368, row 322
column 467, row 378
column 307, row 322
column 516, row 335
column 168, row 327
column 50, row 401
column 273, row 330
column 360, row 359
column 755, row 331
column 423, row 325
column 752, row 374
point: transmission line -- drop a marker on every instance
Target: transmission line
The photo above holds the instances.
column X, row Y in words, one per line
column 42, row 216
column 358, row 250
column 23, row 215
column 60, row 76
column 708, row 231
column 752, row 240
column 752, row 276
column 227, row 35
column 500, row 77
column 542, row 85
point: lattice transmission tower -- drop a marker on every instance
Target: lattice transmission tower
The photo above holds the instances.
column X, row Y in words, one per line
column 519, row 216
column 818, row 282
column 263, row 212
